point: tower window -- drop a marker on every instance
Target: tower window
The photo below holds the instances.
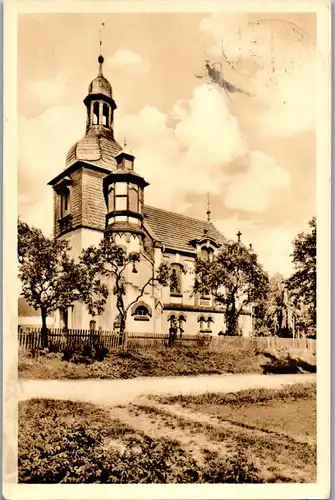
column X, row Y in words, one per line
column 121, row 203
column 133, row 198
column 111, row 199
column 65, row 203
column 105, row 115
column 140, row 200
column 95, row 113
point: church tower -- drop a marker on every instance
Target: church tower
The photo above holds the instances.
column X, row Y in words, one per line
column 124, row 200
column 79, row 202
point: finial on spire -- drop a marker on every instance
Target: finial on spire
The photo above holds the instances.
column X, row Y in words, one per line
column 100, row 58
column 125, row 142
column 208, row 209
column 239, row 234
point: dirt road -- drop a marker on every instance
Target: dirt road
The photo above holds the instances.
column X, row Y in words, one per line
column 121, row 392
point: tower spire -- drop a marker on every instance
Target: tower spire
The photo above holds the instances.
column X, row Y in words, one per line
column 100, row 58
column 208, row 209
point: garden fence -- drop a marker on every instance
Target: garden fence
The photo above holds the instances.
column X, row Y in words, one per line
column 30, row 340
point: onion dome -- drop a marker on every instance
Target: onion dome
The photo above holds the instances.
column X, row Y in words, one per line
column 100, row 84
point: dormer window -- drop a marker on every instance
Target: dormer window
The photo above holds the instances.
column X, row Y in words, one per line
column 207, row 254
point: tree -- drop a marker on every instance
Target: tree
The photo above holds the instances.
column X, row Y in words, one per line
column 112, row 261
column 235, row 279
column 50, row 279
column 302, row 284
column 273, row 314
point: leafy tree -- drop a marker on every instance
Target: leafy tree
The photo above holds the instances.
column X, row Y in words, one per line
column 273, row 313
column 302, row 284
column 50, row 279
column 235, row 279
column 113, row 261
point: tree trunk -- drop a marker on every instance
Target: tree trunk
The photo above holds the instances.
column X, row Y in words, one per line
column 44, row 331
column 232, row 318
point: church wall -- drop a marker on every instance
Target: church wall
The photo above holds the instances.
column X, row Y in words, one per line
column 192, row 326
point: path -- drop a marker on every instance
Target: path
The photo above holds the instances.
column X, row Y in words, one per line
column 121, row 392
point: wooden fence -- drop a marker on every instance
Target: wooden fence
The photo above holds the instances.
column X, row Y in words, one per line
column 30, row 339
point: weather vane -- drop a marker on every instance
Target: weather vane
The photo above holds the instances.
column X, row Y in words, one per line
column 100, row 41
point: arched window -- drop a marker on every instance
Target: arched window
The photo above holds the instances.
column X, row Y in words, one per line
column 201, row 320
column 105, row 115
column 181, row 321
column 95, row 113
column 141, row 311
column 176, row 279
column 93, row 325
column 210, row 321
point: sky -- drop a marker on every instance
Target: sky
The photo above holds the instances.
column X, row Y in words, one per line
column 253, row 150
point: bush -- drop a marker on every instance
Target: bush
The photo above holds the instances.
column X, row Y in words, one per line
column 237, row 468
column 65, row 442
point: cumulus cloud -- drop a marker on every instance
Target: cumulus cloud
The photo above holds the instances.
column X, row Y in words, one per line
column 49, row 91
column 127, row 59
column 43, row 144
column 253, row 189
column 204, row 151
column 273, row 245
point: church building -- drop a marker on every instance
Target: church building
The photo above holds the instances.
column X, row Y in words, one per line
column 99, row 192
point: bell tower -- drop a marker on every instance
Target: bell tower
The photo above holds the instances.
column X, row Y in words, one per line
column 100, row 106
column 79, row 202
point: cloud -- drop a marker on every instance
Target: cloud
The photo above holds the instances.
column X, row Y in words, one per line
column 49, row 91
column 254, row 189
column 204, row 151
column 273, row 245
column 127, row 59
column 43, row 144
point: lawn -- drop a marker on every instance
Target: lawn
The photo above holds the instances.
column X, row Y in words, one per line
column 176, row 361
column 251, row 436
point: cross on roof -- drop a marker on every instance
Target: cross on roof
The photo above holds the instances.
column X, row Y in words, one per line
column 239, row 234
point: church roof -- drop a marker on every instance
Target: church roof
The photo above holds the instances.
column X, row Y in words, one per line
column 176, row 231
column 100, row 151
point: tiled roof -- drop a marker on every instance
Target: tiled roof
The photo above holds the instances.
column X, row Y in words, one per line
column 95, row 150
column 176, row 230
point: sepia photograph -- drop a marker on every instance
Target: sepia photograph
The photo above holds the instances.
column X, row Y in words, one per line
column 168, row 220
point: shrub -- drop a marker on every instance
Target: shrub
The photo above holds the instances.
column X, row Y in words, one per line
column 237, row 468
column 65, row 442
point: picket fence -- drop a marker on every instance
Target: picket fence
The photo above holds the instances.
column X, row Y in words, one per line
column 30, row 339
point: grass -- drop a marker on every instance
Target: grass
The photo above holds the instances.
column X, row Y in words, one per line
column 66, row 442
column 174, row 361
column 255, row 436
column 276, row 427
